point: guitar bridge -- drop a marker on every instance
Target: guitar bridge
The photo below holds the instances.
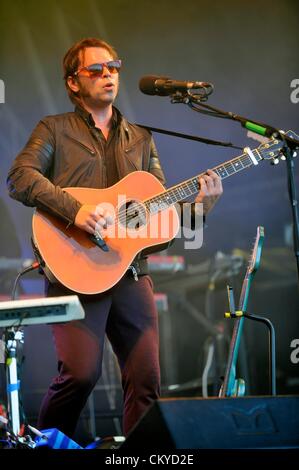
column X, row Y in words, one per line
column 98, row 240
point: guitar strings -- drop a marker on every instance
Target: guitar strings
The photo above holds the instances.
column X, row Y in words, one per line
column 244, row 159
column 176, row 191
column 162, row 199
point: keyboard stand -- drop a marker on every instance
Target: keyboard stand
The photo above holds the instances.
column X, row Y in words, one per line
column 12, row 336
column 13, row 316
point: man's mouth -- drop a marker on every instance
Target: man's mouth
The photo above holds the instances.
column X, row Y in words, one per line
column 108, row 86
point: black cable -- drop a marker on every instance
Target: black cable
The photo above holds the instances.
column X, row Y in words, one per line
column 206, row 111
column 33, row 266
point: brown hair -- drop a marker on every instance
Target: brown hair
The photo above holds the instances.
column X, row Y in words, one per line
column 71, row 60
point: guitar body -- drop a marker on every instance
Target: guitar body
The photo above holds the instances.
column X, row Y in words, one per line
column 82, row 266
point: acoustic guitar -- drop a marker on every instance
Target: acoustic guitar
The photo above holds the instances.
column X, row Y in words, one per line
column 145, row 216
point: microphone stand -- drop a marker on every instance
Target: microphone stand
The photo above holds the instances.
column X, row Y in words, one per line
column 290, row 148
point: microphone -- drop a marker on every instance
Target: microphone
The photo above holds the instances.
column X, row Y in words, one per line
column 164, row 86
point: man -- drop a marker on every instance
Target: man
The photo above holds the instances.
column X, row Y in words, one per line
column 94, row 147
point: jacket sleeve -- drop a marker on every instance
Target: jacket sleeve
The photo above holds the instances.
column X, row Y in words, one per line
column 154, row 163
column 28, row 179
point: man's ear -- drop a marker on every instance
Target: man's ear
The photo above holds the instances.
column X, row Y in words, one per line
column 73, row 84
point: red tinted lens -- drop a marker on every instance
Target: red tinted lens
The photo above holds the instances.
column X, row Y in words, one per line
column 96, row 70
column 114, row 66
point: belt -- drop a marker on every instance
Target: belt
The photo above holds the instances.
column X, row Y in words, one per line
column 138, row 267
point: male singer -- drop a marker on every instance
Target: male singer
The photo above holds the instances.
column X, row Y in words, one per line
column 95, row 146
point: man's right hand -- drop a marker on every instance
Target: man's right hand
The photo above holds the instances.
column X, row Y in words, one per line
column 93, row 218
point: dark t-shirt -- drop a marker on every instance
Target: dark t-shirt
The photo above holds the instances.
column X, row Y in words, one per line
column 107, row 147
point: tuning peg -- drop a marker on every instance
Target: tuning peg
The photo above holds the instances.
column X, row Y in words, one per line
column 275, row 161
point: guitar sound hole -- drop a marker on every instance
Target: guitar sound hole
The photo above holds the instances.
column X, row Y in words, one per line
column 132, row 215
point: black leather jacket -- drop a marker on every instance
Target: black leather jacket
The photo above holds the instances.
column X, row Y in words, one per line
column 62, row 152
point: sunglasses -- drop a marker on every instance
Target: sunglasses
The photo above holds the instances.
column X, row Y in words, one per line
column 96, row 70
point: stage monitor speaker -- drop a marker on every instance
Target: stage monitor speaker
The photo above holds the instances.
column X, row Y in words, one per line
column 218, row 423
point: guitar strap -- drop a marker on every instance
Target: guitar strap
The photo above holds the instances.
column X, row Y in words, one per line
column 204, row 140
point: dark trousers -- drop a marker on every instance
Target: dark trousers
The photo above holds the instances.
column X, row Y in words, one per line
column 128, row 315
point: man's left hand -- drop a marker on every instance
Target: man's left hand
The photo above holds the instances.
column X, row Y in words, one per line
column 210, row 190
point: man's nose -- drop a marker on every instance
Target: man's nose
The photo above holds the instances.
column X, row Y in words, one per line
column 106, row 72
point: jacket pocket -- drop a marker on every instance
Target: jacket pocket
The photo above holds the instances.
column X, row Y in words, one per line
column 80, row 143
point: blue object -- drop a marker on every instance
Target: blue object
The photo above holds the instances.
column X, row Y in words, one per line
column 55, row 439
column 13, row 387
column 94, row 444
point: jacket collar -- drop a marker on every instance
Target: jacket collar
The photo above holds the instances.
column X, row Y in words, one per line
column 117, row 117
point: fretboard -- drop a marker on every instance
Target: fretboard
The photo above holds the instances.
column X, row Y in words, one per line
column 187, row 188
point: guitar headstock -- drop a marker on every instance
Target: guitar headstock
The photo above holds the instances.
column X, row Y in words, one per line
column 273, row 149
column 255, row 259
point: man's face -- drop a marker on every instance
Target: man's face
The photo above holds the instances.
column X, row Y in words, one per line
column 96, row 91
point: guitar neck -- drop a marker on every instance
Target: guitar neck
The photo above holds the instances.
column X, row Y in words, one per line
column 187, row 188
column 243, row 301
